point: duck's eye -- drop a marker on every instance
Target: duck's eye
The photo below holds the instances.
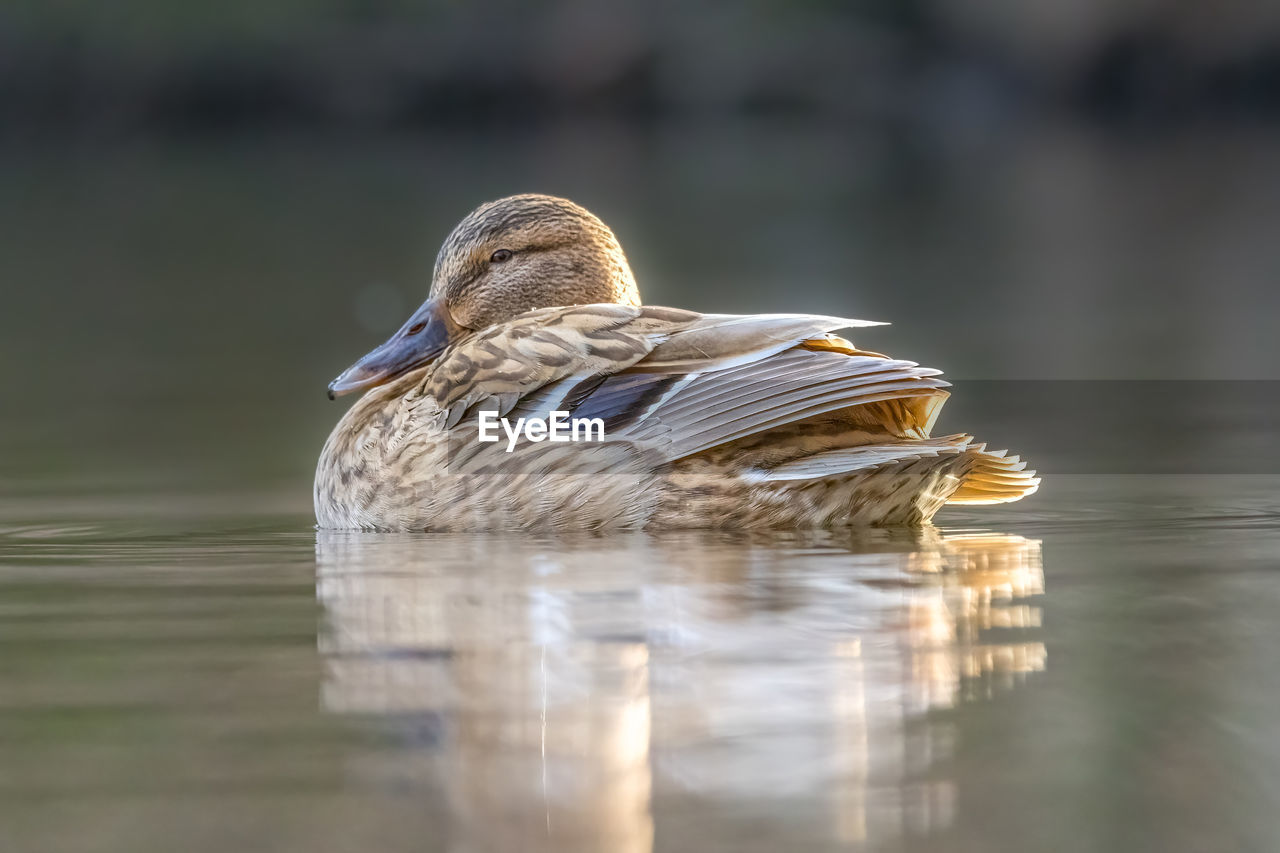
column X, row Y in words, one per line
column 500, row 256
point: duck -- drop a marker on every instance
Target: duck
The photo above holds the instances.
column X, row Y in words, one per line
column 693, row 420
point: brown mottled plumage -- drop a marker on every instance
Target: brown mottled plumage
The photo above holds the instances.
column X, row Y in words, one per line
column 711, row 420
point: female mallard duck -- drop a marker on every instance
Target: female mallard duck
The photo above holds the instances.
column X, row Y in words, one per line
column 709, row 420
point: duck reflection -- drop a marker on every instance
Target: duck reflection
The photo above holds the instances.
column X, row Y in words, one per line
column 572, row 689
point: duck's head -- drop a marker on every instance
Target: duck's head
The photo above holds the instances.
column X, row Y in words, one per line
column 505, row 258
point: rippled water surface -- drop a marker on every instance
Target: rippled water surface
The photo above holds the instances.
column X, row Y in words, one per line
column 1090, row 671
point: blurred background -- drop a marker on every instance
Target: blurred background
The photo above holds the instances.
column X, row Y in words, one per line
column 210, row 210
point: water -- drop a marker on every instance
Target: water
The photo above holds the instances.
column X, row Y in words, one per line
column 186, row 664
column 1090, row 672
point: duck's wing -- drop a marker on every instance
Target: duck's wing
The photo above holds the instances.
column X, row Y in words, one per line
column 677, row 383
column 876, row 412
column 558, row 359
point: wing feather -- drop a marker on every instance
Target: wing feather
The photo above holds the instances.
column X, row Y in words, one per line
column 846, row 460
column 716, row 408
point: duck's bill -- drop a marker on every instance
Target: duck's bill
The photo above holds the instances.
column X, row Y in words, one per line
column 421, row 339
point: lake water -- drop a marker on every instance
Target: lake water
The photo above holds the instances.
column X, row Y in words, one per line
column 186, row 664
column 1092, row 670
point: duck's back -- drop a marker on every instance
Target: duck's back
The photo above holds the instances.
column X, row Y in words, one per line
column 708, row 421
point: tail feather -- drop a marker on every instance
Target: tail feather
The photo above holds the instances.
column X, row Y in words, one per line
column 996, row 478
